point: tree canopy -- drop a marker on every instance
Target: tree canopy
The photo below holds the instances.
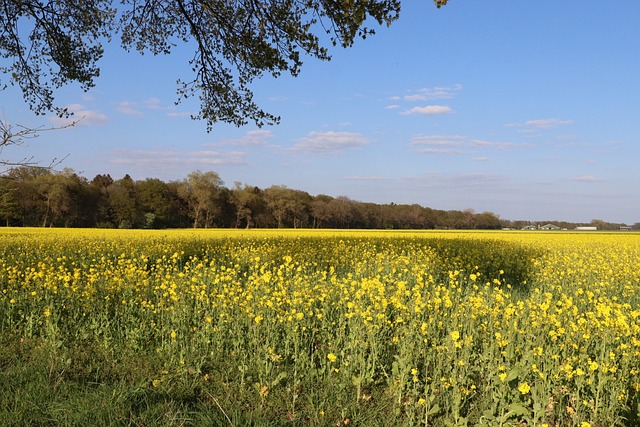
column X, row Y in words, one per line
column 33, row 196
column 45, row 44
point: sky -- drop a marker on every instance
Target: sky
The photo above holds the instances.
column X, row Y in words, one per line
column 527, row 109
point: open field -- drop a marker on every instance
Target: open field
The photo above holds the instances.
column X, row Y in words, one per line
column 335, row 328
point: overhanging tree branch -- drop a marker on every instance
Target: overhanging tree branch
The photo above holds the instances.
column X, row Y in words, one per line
column 16, row 135
column 236, row 42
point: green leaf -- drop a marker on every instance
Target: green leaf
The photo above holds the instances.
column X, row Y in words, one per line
column 516, row 409
column 513, row 374
column 433, row 410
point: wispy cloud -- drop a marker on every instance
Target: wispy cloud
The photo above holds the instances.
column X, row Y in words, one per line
column 439, row 140
column 457, row 144
column 431, row 150
column 431, row 93
column 546, row 123
column 330, row 142
column 162, row 160
column 428, row 110
column 180, row 114
column 128, row 109
column 81, row 115
column 481, row 181
column 210, row 157
column 155, row 104
column 137, row 108
column 365, row 178
column 539, row 124
column 251, row 138
column 586, row 178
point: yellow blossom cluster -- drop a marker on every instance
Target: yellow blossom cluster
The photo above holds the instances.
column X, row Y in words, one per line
column 450, row 325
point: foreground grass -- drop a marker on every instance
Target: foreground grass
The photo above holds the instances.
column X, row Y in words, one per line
column 318, row 328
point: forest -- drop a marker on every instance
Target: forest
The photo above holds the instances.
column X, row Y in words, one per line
column 34, row 196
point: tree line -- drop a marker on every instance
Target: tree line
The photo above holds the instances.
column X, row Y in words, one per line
column 31, row 196
column 34, row 196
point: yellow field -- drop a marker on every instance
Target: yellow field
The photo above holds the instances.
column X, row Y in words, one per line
column 323, row 327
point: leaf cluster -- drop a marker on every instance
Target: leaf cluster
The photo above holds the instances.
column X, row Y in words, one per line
column 45, row 44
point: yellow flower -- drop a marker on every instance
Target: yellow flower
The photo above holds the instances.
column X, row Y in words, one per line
column 524, row 387
column 332, row 357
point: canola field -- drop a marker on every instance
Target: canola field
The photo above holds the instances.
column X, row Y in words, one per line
column 315, row 328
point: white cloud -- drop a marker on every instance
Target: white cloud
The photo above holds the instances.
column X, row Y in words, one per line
column 81, row 116
column 162, row 160
column 497, row 144
column 546, row 123
column 429, row 150
column 216, row 158
column 154, row 104
column 251, row 138
column 429, row 110
column 476, row 181
column 392, row 107
column 542, row 123
column 330, row 142
column 135, row 108
column 586, row 178
column 439, row 140
column 457, row 144
column 127, row 108
column 427, row 94
column 365, row 178
column 180, row 114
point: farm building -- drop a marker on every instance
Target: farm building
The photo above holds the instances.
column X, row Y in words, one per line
column 549, row 227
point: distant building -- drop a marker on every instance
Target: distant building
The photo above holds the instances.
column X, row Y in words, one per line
column 625, row 228
column 586, row 228
column 529, row 227
column 549, row 227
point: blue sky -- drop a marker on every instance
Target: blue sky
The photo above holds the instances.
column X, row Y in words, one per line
column 525, row 109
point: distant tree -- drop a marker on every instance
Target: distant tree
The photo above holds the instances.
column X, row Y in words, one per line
column 412, row 216
column 24, row 181
column 158, row 202
column 604, row 225
column 456, row 220
column 61, row 193
column 342, row 211
column 201, row 192
column 123, row 204
column 487, row 221
column 288, row 207
column 247, row 202
column 321, row 210
column 98, row 191
column 48, row 44
column 9, row 209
